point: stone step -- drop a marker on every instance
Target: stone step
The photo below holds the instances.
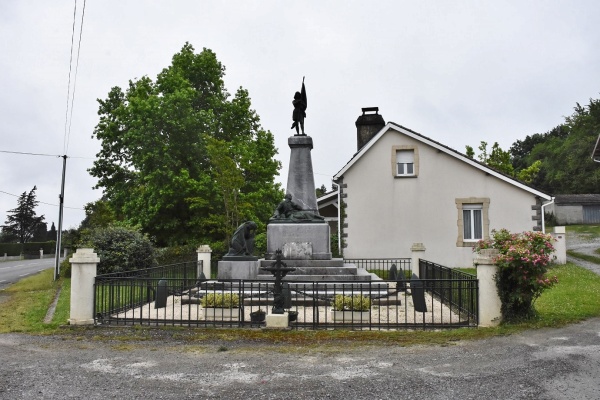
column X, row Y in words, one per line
column 334, row 262
column 315, row 271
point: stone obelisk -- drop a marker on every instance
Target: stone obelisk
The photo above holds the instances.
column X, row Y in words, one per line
column 301, row 181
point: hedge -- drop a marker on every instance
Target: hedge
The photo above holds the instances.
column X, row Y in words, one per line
column 16, row 249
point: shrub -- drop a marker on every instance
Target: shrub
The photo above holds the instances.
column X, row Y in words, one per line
column 218, row 300
column 121, row 249
column 351, row 303
column 522, row 266
column 176, row 254
column 65, row 266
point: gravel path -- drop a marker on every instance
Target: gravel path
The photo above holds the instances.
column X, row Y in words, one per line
column 586, row 245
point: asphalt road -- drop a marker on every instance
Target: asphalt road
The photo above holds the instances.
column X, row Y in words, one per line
column 541, row 364
column 12, row 271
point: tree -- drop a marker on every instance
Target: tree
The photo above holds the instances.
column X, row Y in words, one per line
column 182, row 160
column 497, row 159
column 22, row 223
column 321, row 191
column 563, row 154
column 52, row 233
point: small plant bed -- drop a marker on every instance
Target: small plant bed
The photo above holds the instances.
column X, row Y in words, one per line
column 221, row 306
column 355, row 308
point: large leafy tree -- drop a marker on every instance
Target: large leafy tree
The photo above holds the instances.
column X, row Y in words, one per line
column 182, row 159
column 22, row 223
column 564, row 153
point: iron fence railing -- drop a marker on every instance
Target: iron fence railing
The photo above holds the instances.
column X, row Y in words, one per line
column 455, row 286
column 310, row 305
column 119, row 291
column 381, row 266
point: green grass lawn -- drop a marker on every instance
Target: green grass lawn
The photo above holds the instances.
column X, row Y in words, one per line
column 589, row 231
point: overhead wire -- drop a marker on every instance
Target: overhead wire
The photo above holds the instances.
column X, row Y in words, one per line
column 41, row 202
column 75, row 77
column 69, row 80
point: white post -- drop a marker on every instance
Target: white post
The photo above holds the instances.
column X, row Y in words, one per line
column 417, row 252
column 489, row 300
column 41, row 254
column 83, row 271
column 204, row 253
column 560, row 246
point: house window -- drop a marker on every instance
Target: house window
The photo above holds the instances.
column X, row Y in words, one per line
column 405, row 161
column 473, row 220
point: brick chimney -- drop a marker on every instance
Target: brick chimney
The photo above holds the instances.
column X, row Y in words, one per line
column 367, row 125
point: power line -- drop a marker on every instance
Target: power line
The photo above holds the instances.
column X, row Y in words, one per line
column 29, row 154
column 41, row 202
column 75, row 78
column 69, row 81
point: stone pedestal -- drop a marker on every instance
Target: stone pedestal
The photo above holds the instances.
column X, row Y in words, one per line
column 489, row 300
column 204, row 254
column 317, row 234
column 278, row 321
column 238, row 269
column 83, row 274
column 301, row 181
column 417, row 251
column 560, row 246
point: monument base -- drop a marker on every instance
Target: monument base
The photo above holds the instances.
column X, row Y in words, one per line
column 238, row 269
column 278, row 235
column 278, row 321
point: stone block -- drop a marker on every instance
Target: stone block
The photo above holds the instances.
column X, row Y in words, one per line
column 297, row 251
column 278, row 321
column 316, row 234
column 237, row 270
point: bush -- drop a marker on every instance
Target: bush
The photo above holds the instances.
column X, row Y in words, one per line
column 351, row 303
column 65, row 266
column 218, row 300
column 121, row 249
column 522, row 265
column 176, row 254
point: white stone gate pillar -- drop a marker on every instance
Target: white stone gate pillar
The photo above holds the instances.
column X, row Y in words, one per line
column 560, row 246
column 83, row 271
column 489, row 300
column 417, row 251
column 204, row 254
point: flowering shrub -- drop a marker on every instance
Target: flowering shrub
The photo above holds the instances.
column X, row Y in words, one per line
column 522, row 265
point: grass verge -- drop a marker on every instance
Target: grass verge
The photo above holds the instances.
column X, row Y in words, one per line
column 586, row 257
column 28, row 301
column 573, row 299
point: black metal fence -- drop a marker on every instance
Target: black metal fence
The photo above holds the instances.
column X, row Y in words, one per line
column 310, row 305
column 454, row 287
column 381, row 266
column 120, row 291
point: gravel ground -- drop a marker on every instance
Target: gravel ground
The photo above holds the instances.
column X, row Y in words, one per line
column 586, row 245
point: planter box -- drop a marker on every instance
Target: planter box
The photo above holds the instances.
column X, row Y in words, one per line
column 351, row 316
column 222, row 314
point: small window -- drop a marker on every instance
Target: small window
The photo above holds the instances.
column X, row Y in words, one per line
column 472, row 222
column 405, row 162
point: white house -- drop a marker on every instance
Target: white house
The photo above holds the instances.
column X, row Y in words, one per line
column 402, row 188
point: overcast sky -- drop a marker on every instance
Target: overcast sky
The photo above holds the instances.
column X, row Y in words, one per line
column 456, row 71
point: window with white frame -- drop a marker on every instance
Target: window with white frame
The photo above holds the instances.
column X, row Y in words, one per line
column 473, row 220
column 405, row 162
column 472, row 215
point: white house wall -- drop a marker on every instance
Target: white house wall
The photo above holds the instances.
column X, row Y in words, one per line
column 386, row 215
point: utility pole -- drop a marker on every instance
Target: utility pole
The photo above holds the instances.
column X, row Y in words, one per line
column 60, row 220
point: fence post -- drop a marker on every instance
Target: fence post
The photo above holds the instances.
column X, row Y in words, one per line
column 83, row 273
column 41, row 254
column 417, row 251
column 560, row 246
column 204, row 253
column 489, row 300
